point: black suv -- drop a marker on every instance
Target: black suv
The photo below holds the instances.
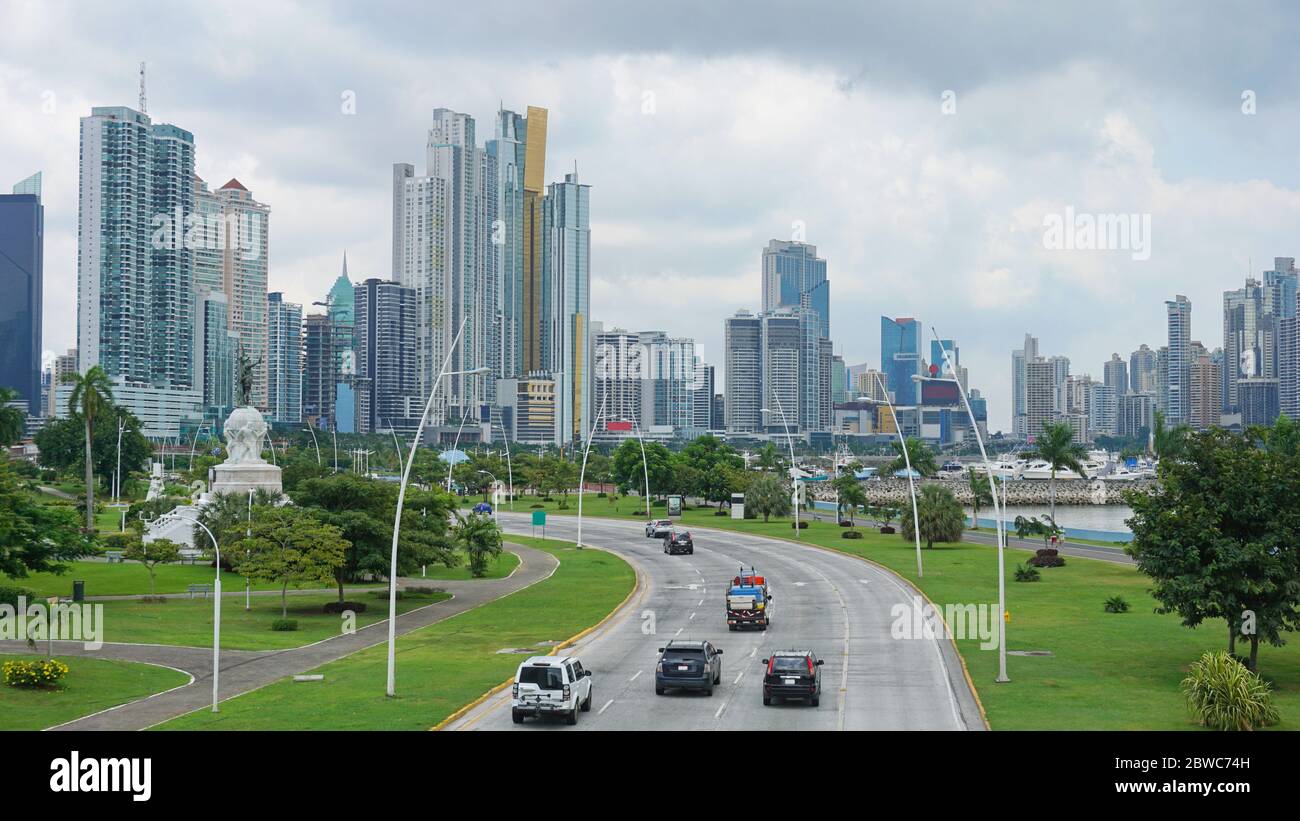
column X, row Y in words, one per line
column 793, row 674
column 688, row 665
column 679, row 541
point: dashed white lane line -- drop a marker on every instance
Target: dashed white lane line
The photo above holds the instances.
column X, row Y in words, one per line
column 739, row 677
column 634, row 677
column 721, row 707
column 698, row 603
column 753, row 651
column 606, row 707
column 679, row 632
column 692, row 615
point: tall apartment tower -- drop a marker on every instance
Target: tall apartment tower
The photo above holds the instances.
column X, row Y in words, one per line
column 283, row 359
column 135, row 275
column 794, row 277
column 900, row 358
column 1020, row 358
column 1178, row 376
column 1244, row 339
column 1040, row 395
column 244, row 275
column 388, row 390
column 1206, row 389
column 744, row 373
column 1115, row 374
column 1142, row 370
column 566, row 303
column 22, row 251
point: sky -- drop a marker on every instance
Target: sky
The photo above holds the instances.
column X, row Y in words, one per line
column 924, row 148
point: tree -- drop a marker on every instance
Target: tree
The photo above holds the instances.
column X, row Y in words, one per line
column 1056, row 446
column 1219, row 535
column 940, row 514
column 629, row 471
column 688, row 480
column 11, row 418
column 704, row 452
column 981, row 492
column 159, row 551
column 480, row 539
column 768, row 495
column 35, row 537
column 62, row 445
column 768, row 457
column 851, row 496
column 1166, row 442
column 289, row 546
column 362, row 509
column 1046, row 528
column 92, row 395
column 718, row 483
column 920, row 455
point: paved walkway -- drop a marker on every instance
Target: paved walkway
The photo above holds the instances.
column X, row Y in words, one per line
column 244, row 670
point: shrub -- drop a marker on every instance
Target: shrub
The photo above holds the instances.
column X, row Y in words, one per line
column 563, row 505
column 340, row 606
column 9, row 596
column 537, row 505
column 887, row 530
column 801, row 524
column 1116, row 604
column 1223, row 695
column 153, row 599
column 42, row 673
column 601, row 495
column 421, row 590
column 721, row 513
column 1027, row 574
column 851, row 534
column 845, row 523
column 284, row 625
column 1047, row 557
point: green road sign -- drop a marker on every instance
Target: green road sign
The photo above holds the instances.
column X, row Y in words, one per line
column 539, row 518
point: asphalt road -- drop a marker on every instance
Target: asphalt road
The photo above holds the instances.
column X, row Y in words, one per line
column 836, row 605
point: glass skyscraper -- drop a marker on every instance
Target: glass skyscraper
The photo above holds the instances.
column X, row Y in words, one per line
column 900, row 358
column 22, row 244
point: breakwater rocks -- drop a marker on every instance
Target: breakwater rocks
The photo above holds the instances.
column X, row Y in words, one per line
column 1019, row 492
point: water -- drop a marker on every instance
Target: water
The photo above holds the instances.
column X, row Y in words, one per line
column 1099, row 522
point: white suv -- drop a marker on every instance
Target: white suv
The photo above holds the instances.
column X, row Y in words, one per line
column 550, row 686
column 658, row 528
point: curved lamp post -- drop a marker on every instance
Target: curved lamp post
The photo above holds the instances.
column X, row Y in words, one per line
column 911, row 486
column 216, row 607
column 495, row 481
column 645, row 465
column 312, row 431
column 789, row 441
column 397, row 513
column 582, row 474
column 988, row 467
column 456, row 443
column 510, row 471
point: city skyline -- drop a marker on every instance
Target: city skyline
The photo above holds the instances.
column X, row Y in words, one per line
column 917, row 213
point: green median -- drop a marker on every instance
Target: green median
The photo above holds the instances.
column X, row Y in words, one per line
column 442, row 667
column 91, row 686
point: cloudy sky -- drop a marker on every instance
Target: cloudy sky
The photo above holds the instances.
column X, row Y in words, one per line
column 920, row 146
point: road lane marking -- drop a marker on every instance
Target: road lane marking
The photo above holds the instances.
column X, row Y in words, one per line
column 739, row 677
column 606, row 707
column 634, row 677
column 698, row 603
column 679, row 632
column 692, row 615
column 753, row 651
column 721, row 707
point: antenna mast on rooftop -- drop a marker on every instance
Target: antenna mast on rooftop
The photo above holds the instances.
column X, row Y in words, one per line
column 143, row 105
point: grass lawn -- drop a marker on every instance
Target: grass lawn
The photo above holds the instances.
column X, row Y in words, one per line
column 1108, row 671
column 90, row 686
column 499, row 568
column 441, row 667
column 188, row 622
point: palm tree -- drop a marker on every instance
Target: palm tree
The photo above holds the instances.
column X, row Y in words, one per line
column 1167, row 442
column 920, row 455
column 768, row 457
column 92, row 394
column 480, row 539
column 11, row 419
column 981, row 494
column 851, row 496
column 1056, row 447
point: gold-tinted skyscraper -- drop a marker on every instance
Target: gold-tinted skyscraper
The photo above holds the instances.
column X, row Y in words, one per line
column 534, row 190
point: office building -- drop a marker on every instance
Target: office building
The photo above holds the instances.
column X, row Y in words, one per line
column 1115, row 374
column 1206, row 390
column 1019, row 360
column 900, row 358
column 1142, row 370
column 387, row 384
column 567, row 302
column 1178, row 374
column 283, row 359
column 795, row 277
column 1259, row 400
column 22, row 251
column 744, row 373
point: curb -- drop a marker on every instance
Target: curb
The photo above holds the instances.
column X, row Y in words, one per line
column 569, row 642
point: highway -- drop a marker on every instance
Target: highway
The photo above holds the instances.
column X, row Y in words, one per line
column 834, row 604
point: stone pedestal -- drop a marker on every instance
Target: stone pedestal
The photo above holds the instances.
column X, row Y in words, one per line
column 244, row 468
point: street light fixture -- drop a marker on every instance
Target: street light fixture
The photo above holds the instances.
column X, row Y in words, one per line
column 997, row 510
column 582, row 474
column 456, row 443
column 645, row 465
column 397, row 514
column 495, row 481
column 216, row 606
column 789, row 441
column 312, row 431
column 911, row 485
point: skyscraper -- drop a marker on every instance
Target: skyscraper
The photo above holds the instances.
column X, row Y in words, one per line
column 1244, row 338
column 388, row 392
column 1116, row 374
column 319, row 370
column 1178, row 376
column 283, row 359
column 341, row 310
column 245, row 276
column 900, row 358
column 1040, row 396
column 1206, row 389
column 1142, row 370
column 1020, row 358
column 22, row 251
column 567, row 302
column 744, row 373
column 135, row 267
column 793, row 277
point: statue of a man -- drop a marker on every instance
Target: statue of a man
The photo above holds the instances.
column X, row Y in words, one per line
column 246, row 378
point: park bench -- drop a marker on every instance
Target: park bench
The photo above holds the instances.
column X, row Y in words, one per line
column 205, row 589
column 114, row 556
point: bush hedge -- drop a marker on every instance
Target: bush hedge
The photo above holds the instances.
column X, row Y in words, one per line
column 340, row 606
column 284, row 625
column 43, row 673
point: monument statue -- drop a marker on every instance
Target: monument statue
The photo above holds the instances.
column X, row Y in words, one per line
column 244, row 468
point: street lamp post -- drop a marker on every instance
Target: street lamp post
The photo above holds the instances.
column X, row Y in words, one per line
column 510, row 471
column 645, row 465
column 397, row 514
column 789, row 441
column 335, row 435
column 495, row 482
column 456, row 443
column 193, row 443
column 988, row 467
column 117, row 481
column 248, row 533
column 582, row 474
column 907, row 461
column 312, row 431
column 216, row 611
